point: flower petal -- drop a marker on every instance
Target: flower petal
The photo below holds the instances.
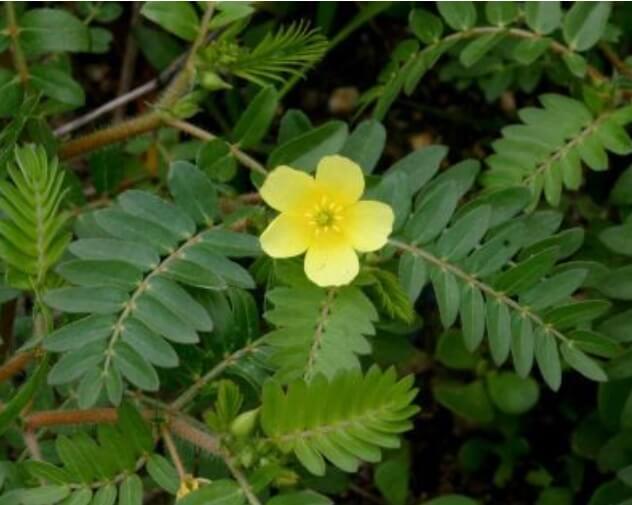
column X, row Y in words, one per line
column 285, row 237
column 340, row 177
column 331, row 263
column 368, row 224
column 286, row 189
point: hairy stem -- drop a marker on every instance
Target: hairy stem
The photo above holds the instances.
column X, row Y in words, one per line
column 149, row 121
column 15, row 364
column 173, row 453
column 70, row 417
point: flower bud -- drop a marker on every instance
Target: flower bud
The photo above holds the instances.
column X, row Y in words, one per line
column 244, row 423
column 213, row 82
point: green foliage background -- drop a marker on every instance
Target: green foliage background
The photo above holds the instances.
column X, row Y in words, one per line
column 150, row 348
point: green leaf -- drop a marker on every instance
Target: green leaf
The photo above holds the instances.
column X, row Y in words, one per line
column 452, row 499
column 98, row 300
column 293, row 123
column 75, row 460
column 529, row 50
column 522, row 345
column 466, row 400
column 105, row 495
column 181, row 303
column 511, row 393
column 458, row 15
column 378, row 413
column 581, row 362
column 134, row 253
column 300, row 498
column 178, row 18
column 555, row 289
column 304, row 151
column 229, row 12
column 11, row 91
column 44, row 495
column 392, row 478
column 501, row 13
column 12, row 408
column 125, row 226
column 134, row 367
column 134, row 428
column 479, row 47
column 527, row 272
column 30, row 201
column 232, row 244
column 576, row 64
column 548, row 359
column 614, row 137
column 148, row 344
column 52, row 31
column 413, row 274
column 156, row 210
column 307, row 341
column 576, row 313
column 425, row 25
column 193, row 192
column 76, row 363
column 465, row 234
column 585, row 23
column 365, row 144
column 219, row 492
column 93, row 273
column 159, row 48
column 80, row 497
column 472, row 313
column 452, row 352
column 216, row 159
column 420, row 166
column 543, row 17
column 255, row 121
column 447, row 292
column 163, row 473
column 131, row 491
column 47, row 471
column 288, row 51
column 433, row 213
column 498, row 330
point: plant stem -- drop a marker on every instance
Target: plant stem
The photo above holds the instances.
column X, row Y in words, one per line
column 119, row 101
column 13, row 29
column 15, row 364
column 151, row 120
column 193, row 390
column 129, row 60
column 178, row 424
column 240, row 478
column 173, row 453
column 482, row 286
column 201, row 134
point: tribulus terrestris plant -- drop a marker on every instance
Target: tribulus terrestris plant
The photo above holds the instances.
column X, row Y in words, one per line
column 282, row 253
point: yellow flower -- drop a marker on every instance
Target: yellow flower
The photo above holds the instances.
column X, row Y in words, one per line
column 325, row 217
column 188, row 484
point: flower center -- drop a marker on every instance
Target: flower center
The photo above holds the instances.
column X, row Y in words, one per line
column 325, row 216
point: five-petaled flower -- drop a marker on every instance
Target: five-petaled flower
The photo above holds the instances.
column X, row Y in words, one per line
column 325, row 217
